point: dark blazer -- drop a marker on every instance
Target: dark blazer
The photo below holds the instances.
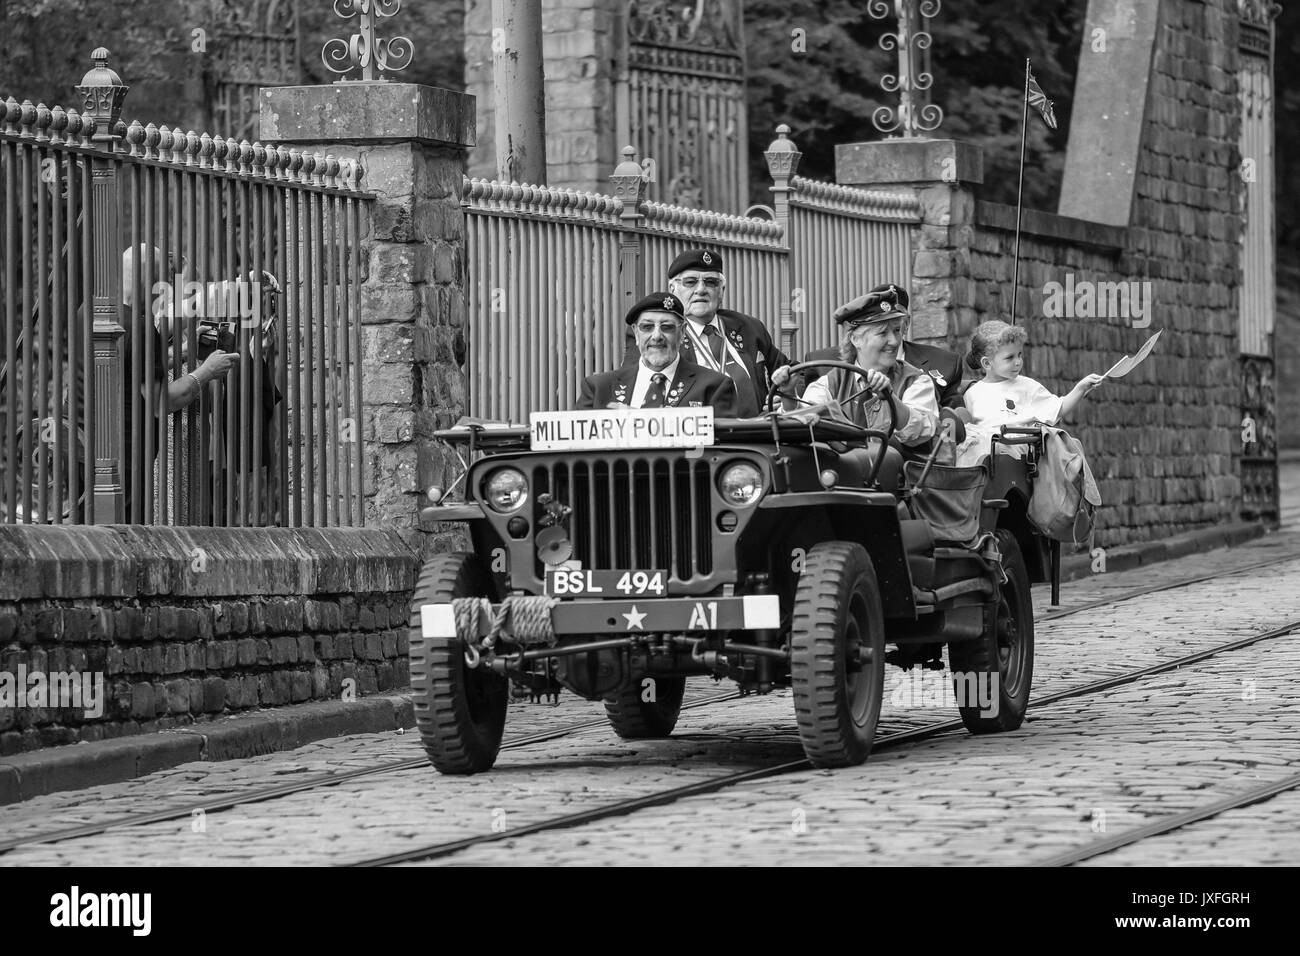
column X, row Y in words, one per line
column 752, row 341
column 941, row 365
column 691, row 386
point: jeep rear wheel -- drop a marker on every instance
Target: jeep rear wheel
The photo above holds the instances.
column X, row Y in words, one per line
column 460, row 711
column 998, row 666
column 635, row 718
column 837, row 667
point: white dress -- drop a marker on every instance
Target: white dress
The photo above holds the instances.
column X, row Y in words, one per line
column 1017, row 401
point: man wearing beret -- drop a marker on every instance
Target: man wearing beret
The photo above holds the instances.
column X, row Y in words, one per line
column 663, row 376
column 944, row 367
column 719, row 339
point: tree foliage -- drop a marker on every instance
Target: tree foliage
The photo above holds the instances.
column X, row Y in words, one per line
column 817, row 67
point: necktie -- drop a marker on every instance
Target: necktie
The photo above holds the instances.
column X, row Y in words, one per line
column 654, row 396
column 717, row 345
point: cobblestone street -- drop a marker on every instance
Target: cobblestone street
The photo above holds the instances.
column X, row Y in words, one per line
column 1077, row 770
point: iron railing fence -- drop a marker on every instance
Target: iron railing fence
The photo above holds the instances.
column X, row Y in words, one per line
column 843, row 241
column 552, row 271
column 130, row 258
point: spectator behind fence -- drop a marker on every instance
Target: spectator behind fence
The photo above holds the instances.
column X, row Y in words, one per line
column 215, row 364
column 166, row 396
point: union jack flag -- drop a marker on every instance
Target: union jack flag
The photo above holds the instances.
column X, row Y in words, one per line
column 1039, row 101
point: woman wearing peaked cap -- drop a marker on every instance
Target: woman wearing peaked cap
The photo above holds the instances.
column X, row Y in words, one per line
column 872, row 325
column 662, row 376
column 940, row 364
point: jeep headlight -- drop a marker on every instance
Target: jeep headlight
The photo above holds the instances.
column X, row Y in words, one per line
column 740, row 483
column 506, row 490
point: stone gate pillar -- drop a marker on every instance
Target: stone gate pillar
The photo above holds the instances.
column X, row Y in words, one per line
column 411, row 141
column 942, row 172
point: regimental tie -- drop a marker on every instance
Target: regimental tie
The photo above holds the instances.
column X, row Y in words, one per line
column 721, row 356
column 717, row 345
column 654, row 396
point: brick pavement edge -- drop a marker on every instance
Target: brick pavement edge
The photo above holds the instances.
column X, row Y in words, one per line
column 75, row 767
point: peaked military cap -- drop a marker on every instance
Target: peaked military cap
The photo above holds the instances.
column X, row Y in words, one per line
column 882, row 303
column 705, row 260
column 656, row 302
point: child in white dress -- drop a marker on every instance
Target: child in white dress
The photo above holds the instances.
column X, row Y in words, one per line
column 1004, row 396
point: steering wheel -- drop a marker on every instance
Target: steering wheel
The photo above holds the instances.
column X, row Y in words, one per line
column 867, row 433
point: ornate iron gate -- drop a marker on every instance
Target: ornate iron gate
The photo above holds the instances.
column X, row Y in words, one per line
column 681, row 100
column 255, row 43
column 1259, row 476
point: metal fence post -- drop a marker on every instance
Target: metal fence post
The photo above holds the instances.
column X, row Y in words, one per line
column 102, row 94
column 629, row 184
column 782, row 163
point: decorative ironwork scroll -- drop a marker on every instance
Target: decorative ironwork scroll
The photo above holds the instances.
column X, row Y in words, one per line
column 364, row 50
column 914, row 114
column 254, row 44
column 681, row 100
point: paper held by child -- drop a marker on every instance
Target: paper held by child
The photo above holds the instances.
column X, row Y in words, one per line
column 1128, row 363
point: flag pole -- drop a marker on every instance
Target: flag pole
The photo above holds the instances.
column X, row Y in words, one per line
column 1020, row 191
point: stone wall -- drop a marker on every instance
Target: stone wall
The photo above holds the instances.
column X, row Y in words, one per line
column 185, row 625
column 1160, row 441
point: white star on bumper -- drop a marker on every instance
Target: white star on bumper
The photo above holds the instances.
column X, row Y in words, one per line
column 634, row 618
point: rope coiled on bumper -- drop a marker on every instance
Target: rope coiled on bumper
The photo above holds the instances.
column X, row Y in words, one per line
column 520, row 619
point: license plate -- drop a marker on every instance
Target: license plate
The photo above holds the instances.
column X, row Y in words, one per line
column 564, row 582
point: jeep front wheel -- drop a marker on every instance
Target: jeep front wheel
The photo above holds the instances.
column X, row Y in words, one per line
column 633, row 717
column 837, row 667
column 460, row 711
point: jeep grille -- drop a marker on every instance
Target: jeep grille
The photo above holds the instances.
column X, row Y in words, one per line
column 636, row 513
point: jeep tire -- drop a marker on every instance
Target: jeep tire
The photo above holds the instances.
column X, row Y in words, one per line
column 634, row 718
column 460, row 711
column 1005, row 649
column 837, row 666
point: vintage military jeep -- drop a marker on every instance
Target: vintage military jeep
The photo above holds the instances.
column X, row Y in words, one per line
column 617, row 552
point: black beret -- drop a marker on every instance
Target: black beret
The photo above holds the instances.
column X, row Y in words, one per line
column 881, row 303
column 705, row 260
column 656, row 302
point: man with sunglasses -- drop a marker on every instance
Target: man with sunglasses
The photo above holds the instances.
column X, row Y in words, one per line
column 718, row 339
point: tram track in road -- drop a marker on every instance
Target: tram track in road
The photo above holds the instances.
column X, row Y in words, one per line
column 217, row 804
column 1173, row 821
column 263, row 794
column 889, row 741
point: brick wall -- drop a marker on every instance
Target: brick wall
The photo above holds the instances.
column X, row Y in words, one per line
column 187, row 625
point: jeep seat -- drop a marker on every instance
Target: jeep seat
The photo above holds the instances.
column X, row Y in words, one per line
column 949, row 501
